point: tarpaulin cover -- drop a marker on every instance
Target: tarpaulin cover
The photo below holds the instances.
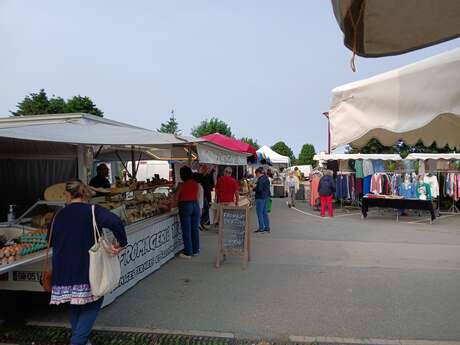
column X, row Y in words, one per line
column 435, row 156
column 375, row 28
column 420, row 101
column 345, row 156
column 230, row 143
column 82, row 129
column 274, row 157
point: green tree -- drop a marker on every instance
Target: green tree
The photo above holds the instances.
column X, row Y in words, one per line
column 251, row 141
column 214, row 125
column 306, row 155
column 171, row 126
column 33, row 104
column 81, row 104
column 39, row 103
column 284, row 150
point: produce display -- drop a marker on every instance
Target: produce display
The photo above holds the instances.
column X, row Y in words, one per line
column 28, row 243
column 137, row 204
column 147, row 205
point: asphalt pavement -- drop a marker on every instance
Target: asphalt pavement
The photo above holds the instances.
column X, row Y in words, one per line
column 344, row 277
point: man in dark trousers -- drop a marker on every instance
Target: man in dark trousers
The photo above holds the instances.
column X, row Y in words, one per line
column 262, row 190
column 207, row 182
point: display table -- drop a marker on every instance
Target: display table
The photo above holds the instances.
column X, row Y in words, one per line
column 151, row 243
column 413, row 204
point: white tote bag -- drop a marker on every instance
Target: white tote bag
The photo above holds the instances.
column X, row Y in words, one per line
column 104, row 267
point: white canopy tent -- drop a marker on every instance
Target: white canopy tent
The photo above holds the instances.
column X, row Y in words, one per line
column 355, row 156
column 416, row 102
column 375, row 28
column 274, row 157
column 40, row 150
column 435, row 156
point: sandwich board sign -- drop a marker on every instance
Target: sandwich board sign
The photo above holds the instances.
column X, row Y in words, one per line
column 234, row 235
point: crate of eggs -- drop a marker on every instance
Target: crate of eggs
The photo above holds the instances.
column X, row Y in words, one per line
column 33, row 241
column 26, row 244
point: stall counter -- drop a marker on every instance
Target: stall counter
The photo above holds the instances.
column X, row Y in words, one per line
column 151, row 243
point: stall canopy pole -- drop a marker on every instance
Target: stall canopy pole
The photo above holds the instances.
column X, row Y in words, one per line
column 133, row 163
column 82, row 166
column 326, row 114
column 123, row 163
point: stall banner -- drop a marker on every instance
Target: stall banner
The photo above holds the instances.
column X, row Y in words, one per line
column 147, row 250
column 213, row 156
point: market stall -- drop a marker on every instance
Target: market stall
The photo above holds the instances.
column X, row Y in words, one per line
column 152, row 223
column 277, row 160
column 354, row 174
column 444, row 170
column 416, row 102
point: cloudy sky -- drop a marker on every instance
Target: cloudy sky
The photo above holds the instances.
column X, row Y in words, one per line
column 265, row 67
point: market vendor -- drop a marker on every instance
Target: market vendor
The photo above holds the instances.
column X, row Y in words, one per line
column 101, row 180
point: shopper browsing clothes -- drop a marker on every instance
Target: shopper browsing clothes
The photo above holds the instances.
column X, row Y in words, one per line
column 262, row 190
column 71, row 238
column 292, row 185
column 189, row 213
column 326, row 189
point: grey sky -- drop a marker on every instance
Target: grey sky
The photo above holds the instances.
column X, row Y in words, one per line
column 265, row 67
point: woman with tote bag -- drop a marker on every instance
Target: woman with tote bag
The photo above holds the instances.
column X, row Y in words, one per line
column 72, row 236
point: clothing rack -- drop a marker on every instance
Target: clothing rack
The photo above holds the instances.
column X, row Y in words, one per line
column 453, row 209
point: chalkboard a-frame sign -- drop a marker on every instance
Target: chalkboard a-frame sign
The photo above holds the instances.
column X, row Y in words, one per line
column 234, row 234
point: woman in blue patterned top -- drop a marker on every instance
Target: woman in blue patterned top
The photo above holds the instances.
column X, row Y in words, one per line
column 71, row 239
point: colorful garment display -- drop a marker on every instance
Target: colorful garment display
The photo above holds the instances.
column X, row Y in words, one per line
column 359, row 168
column 345, row 187
column 314, row 195
column 368, row 168
column 407, row 190
column 423, row 191
column 434, row 185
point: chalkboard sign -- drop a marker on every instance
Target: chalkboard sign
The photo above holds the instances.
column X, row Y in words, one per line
column 234, row 235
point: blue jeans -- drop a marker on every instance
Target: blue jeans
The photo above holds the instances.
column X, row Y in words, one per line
column 82, row 318
column 189, row 215
column 205, row 214
column 262, row 214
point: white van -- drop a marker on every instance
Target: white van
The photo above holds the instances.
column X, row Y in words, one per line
column 148, row 169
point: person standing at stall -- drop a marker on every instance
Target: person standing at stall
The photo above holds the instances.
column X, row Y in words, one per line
column 71, row 238
column 227, row 190
column 207, row 182
column 292, row 185
column 326, row 189
column 101, row 180
column 189, row 213
column 262, row 190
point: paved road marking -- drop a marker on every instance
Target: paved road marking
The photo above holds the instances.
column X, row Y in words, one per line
column 141, row 330
column 309, row 214
column 303, row 339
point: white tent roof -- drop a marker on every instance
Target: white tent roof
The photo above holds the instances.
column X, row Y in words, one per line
column 425, row 156
column 416, row 102
column 345, row 156
column 274, row 157
column 389, row 27
column 82, row 129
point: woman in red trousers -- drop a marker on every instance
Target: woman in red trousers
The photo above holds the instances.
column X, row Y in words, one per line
column 326, row 190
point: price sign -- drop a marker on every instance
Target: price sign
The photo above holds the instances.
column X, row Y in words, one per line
column 234, row 235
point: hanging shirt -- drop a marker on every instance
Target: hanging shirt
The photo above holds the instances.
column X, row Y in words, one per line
column 368, row 168
column 359, row 168
column 378, row 165
column 434, row 185
column 407, row 191
column 423, row 191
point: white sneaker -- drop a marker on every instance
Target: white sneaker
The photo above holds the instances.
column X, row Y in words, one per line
column 183, row 256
